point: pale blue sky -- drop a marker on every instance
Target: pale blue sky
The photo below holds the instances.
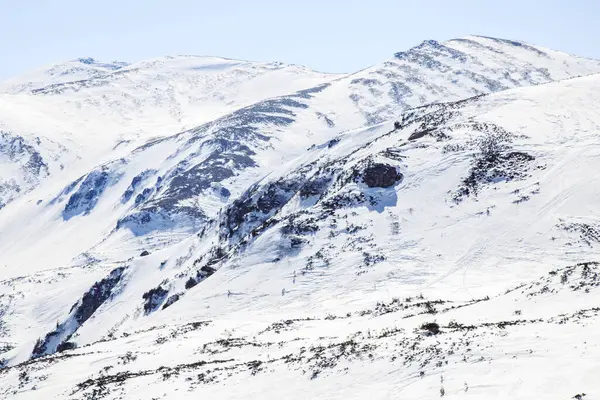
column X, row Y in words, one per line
column 327, row 35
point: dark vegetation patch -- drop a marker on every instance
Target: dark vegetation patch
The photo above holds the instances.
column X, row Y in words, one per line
column 494, row 160
column 285, row 325
column 432, row 328
column 587, row 233
column 381, row 175
column 582, row 277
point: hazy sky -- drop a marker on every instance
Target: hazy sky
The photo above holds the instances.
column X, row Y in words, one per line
column 327, row 35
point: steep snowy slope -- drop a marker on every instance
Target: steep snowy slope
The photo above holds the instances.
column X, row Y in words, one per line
column 95, row 112
column 76, row 115
column 181, row 181
column 436, row 256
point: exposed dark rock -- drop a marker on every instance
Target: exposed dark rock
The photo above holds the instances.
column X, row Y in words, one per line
column 57, row 340
column 432, row 328
column 297, row 242
column 227, row 158
column 83, row 201
column 308, row 93
column 315, row 187
column 207, row 271
column 23, row 154
column 419, row 134
column 98, row 294
column 145, row 253
column 224, row 192
column 142, row 197
column 135, row 183
column 171, row 300
column 67, row 190
column 381, row 175
column 66, row 346
column 252, row 210
column 190, row 283
column 203, row 272
column 154, row 298
column 41, row 345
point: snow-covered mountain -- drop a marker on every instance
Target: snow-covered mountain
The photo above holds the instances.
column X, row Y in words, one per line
column 90, row 112
column 180, row 181
column 398, row 233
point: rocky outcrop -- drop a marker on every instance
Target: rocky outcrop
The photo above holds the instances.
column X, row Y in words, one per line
column 381, row 175
column 83, row 201
column 154, row 298
column 100, row 292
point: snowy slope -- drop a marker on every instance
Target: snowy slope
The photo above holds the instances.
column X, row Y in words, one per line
column 277, row 244
column 326, row 277
column 164, row 93
column 101, row 111
column 76, row 115
column 181, row 181
column 158, row 96
column 76, row 70
column 459, row 68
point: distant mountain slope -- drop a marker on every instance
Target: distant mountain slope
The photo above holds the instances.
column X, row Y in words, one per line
column 300, row 239
column 97, row 111
column 80, row 69
column 459, row 68
column 161, row 95
column 100, row 111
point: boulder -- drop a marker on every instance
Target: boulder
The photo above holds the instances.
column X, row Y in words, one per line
column 381, row 175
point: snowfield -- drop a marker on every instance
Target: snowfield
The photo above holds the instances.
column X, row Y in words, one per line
column 424, row 228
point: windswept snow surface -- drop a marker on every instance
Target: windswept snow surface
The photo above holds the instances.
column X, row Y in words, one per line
column 332, row 242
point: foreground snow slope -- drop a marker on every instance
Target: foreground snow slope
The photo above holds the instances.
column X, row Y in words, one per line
column 327, row 275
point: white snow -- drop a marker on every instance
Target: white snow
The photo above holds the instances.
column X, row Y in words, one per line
column 341, row 316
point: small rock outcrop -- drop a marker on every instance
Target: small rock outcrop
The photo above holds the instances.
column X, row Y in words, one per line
column 154, row 298
column 57, row 340
column 381, row 175
column 97, row 295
